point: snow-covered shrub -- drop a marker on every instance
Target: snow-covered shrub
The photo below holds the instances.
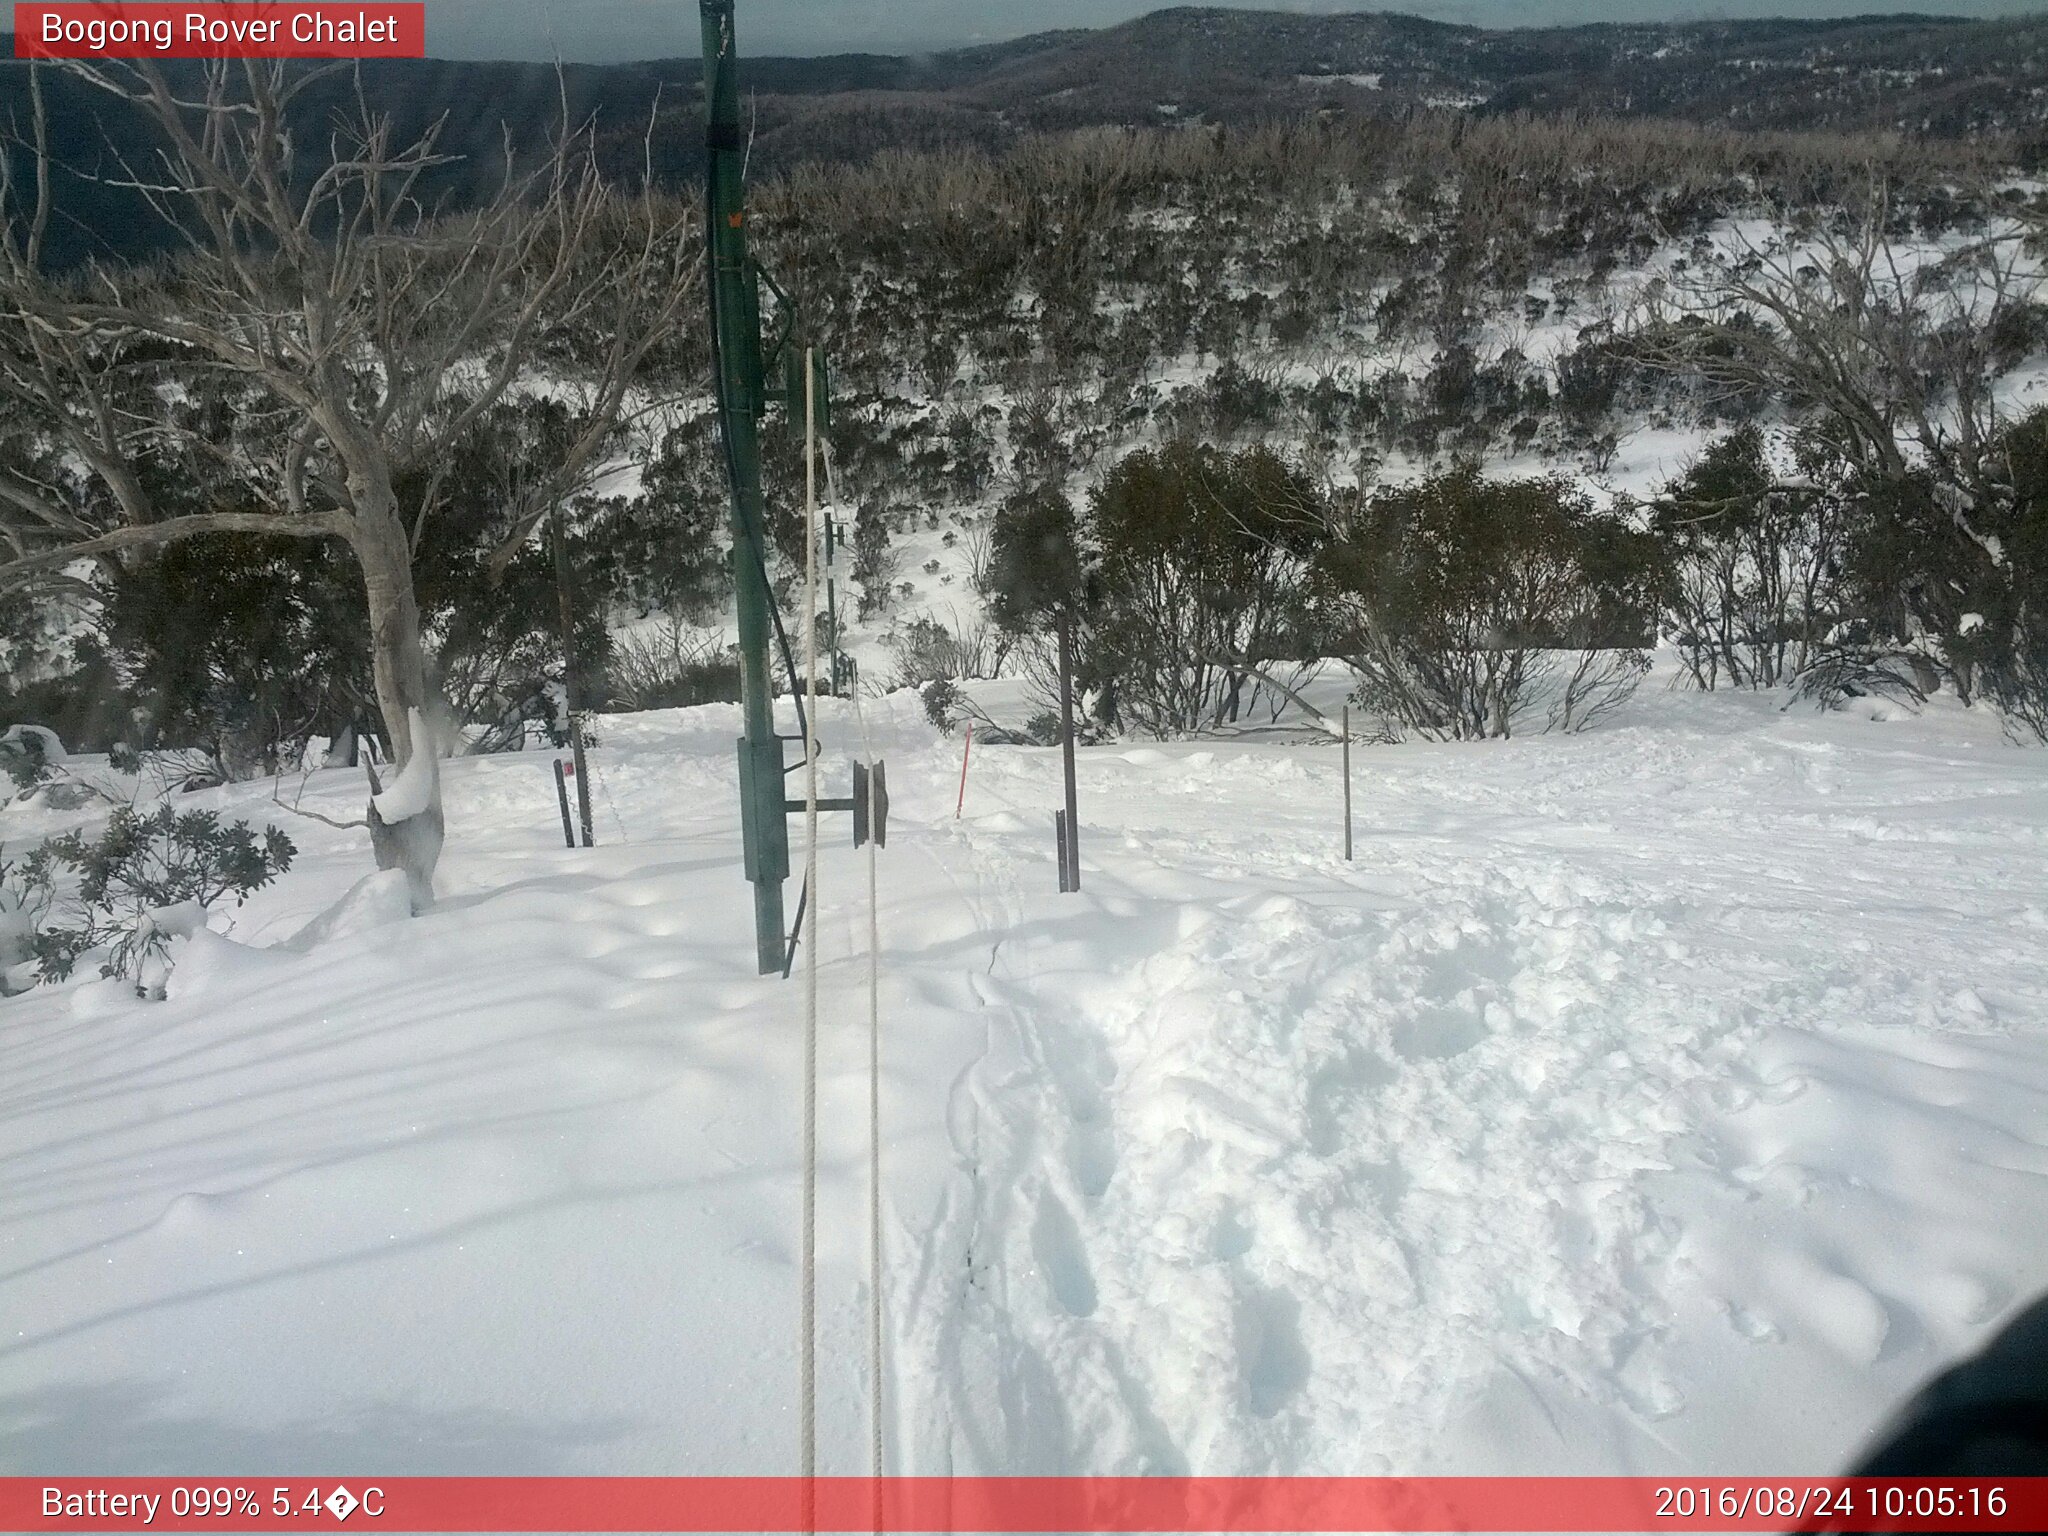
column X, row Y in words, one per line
column 22, row 904
column 1897, row 368
column 1041, row 428
column 127, row 890
column 1954, row 578
column 2011, row 651
column 1840, row 671
column 1240, row 399
column 1944, row 583
column 1465, row 603
column 671, row 666
column 33, row 759
column 925, row 650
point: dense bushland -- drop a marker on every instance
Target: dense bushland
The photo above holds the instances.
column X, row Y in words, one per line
column 1278, row 319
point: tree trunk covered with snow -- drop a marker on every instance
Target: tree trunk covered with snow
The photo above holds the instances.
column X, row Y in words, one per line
column 404, row 838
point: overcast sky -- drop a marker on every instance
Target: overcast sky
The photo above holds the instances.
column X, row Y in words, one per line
column 646, row 29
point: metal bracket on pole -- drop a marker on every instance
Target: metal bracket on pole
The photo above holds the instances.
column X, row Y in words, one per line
column 870, row 805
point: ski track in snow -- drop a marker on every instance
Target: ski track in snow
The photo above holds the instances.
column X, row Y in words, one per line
column 1668, row 1098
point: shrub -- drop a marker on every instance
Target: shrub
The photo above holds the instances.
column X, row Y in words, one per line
column 671, row 667
column 114, row 891
column 22, row 904
column 875, row 562
column 925, row 650
column 1467, row 601
column 1198, row 585
column 1998, row 648
column 942, row 702
column 25, row 756
column 1948, row 583
column 33, row 759
column 241, row 648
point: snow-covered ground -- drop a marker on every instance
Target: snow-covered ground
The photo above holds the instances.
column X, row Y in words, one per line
column 1673, row 1097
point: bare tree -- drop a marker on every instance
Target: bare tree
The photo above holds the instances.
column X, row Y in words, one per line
column 1891, row 354
column 1751, row 565
column 361, row 328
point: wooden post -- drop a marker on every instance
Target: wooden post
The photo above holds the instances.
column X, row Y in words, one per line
column 965, row 754
column 1347, row 783
column 1059, row 834
column 1072, row 844
column 571, row 693
column 562, row 794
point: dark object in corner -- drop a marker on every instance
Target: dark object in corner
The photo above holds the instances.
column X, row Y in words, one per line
column 1987, row 1417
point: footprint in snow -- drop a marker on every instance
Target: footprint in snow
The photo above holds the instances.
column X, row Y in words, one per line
column 1270, row 1352
column 1056, row 1244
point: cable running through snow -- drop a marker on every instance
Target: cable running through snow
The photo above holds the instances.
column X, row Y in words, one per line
column 810, row 1243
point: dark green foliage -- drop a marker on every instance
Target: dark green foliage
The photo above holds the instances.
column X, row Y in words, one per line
column 1038, row 574
column 1198, row 582
column 1590, row 376
column 494, row 625
column 874, row 562
column 709, row 680
column 104, row 891
column 671, row 666
column 1043, row 729
column 24, row 760
column 925, row 651
column 942, row 702
column 1926, row 595
column 1466, row 602
column 242, row 647
column 245, row 647
column 2000, row 643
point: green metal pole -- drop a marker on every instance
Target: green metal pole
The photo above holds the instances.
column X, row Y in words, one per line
column 736, row 350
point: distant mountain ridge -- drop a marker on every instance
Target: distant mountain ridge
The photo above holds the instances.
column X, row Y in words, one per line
column 1920, row 75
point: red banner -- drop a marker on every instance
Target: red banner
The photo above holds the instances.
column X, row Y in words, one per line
column 1020, row 1504
column 263, row 29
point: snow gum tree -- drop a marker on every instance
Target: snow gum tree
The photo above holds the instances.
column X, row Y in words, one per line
column 1751, row 565
column 360, row 332
column 1890, row 359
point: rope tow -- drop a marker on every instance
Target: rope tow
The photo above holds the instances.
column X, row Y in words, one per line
column 743, row 366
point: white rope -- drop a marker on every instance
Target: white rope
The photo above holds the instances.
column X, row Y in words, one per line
column 877, row 1448
column 874, row 1147
column 810, row 1246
